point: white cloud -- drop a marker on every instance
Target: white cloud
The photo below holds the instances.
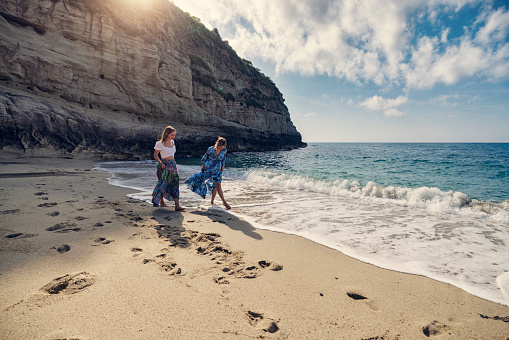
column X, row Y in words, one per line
column 393, row 113
column 363, row 40
column 495, row 28
column 443, row 36
column 310, row 115
column 378, row 103
column 447, row 100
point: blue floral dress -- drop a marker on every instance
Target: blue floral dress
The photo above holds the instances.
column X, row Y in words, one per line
column 203, row 183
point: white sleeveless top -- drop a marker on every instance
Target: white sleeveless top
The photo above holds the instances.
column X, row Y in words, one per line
column 165, row 151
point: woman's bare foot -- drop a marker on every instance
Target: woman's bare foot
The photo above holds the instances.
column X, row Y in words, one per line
column 227, row 206
column 163, row 204
column 179, row 209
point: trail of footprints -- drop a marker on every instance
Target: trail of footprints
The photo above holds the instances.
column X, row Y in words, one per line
column 76, row 224
column 75, row 282
column 228, row 264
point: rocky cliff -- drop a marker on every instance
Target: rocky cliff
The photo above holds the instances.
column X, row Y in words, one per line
column 102, row 78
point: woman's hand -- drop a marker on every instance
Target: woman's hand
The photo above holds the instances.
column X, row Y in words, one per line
column 163, row 166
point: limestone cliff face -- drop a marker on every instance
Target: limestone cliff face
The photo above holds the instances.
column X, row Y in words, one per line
column 104, row 77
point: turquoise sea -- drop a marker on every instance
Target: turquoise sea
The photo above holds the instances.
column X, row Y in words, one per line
column 433, row 209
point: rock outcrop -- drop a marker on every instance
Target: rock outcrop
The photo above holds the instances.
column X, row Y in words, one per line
column 102, row 78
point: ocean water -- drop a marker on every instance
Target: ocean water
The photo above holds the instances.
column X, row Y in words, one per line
column 437, row 210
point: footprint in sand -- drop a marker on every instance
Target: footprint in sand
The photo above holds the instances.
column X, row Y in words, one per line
column 20, row 235
column 221, row 280
column 102, row 240
column 258, row 320
column 60, row 335
column 54, row 213
column 239, row 270
column 171, row 268
column 62, row 248
column 69, row 284
column 136, row 251
column 65, row 285
column 136, row 218
column 435, row 328
column 46, row 205
column 166, row 265
column 360, row 297
column 271, row 265
column 63, row 227
column 12, row 211
column 356, row 296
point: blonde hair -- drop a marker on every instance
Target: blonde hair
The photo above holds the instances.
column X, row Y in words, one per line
column 220, row 142
column 166, row 132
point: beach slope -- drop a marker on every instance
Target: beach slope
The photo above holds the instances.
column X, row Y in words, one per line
column 80, row 260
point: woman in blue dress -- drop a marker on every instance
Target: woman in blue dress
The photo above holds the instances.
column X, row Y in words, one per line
column 211, row 175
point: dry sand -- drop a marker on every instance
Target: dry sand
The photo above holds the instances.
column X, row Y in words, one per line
column 80, row 260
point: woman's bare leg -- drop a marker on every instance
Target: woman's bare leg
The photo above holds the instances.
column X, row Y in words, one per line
column 220, row 192
column 177, row 204
column 162, row 204
column 214, row 192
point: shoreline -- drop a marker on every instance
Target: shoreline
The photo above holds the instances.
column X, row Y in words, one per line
column 470, row 268
column 143, row 272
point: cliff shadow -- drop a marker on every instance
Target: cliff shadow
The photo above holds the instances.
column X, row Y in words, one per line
column 232, row 221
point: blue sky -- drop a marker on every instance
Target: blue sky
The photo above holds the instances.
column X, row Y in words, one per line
column 377, row 70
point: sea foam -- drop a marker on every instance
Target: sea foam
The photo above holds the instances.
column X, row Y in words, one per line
column 431, row 199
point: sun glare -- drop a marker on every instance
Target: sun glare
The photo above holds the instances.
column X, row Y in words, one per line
column 186, row 6
column 137, row 4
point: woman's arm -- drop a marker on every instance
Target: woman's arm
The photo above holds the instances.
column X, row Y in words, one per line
column 223, row 159
column 158, row 160
column 204, row 159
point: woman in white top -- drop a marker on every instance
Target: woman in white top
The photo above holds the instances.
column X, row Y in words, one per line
column 168, row 178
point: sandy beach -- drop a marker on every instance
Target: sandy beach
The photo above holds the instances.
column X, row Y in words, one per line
column 80, row 260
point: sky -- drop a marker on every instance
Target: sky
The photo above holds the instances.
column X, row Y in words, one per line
column 377, row 70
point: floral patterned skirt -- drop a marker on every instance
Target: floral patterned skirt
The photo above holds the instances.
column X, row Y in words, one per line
column 202, row 183
column 168, row 182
